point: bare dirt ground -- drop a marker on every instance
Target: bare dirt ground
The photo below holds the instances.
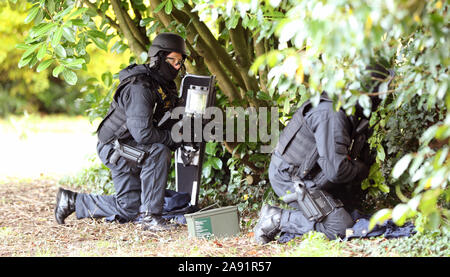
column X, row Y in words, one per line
column 28, row 228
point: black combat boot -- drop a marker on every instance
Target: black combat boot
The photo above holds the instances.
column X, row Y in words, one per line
column 65, row 204
column 156, row 223
column 268, row 225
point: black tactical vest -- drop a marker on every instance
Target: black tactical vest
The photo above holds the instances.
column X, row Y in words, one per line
column 297, row 145
column 113, row 126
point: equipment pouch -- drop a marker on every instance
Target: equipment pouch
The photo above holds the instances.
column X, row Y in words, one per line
column 130, row 153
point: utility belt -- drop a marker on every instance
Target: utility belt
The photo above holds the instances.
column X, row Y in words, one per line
column 315, row 204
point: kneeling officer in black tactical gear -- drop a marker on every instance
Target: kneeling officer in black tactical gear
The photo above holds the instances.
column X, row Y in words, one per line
column 320, row 154
column 133, row 144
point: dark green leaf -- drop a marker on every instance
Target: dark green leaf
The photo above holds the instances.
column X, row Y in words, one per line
column 51, row 6
column 22, row 46
column 178, row 4
column 42, row 51
column 43, row 65
column 207, row 168
column 78, row 22
column 96, row 34
column 33, row 12
column 57, row 36
column 57, row 70
column 24, row 61
column 145, row 21
column 68, row 34
column 263, row 96
column 216, row 163
column 30, row 50
column 107, row 78
column 210, row 148
column 41, row 29
column 63, row 13
column 168, row 8
column 77, row 12
column 160, row 6
column 100, row 43
column 69, row 76
column 60, row 51
column 74, row 63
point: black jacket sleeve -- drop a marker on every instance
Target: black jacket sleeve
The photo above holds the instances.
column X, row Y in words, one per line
column 139, row 104
column 331, row 132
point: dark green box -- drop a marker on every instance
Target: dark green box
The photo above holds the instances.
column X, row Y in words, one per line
column 218, row 222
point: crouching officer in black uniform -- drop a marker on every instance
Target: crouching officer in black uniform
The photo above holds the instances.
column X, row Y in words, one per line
column 133, row 145
column 320, row 155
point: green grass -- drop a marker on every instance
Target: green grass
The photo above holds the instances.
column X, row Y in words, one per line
column 315, row 244
column 427, row 244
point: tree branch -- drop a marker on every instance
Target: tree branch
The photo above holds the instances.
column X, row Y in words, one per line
column 217, row 49
column 142, row 38
column 200, row 66
column 136, row 47
column 260, row 50
column 238, row 39
column 138, row 18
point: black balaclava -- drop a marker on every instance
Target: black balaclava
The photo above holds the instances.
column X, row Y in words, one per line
column 166, row 70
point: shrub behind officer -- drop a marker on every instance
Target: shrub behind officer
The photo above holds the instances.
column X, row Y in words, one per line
column 314, row 151
column 145, row 93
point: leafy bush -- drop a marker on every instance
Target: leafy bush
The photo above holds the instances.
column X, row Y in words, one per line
column 330, row 51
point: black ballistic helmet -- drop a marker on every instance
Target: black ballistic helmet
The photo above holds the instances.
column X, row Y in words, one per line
column 167, row 42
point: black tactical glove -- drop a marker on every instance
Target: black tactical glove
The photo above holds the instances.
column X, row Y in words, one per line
column 367, row 156
column 175, row 145
column 363, row 170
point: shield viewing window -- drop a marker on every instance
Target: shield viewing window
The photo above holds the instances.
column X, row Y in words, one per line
column 196, row 101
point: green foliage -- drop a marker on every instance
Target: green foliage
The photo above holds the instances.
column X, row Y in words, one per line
column 226, row 182
column 315, row 244
column 325, row 46
column 22, row 89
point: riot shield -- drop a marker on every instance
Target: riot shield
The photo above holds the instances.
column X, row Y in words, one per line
column 198, row 93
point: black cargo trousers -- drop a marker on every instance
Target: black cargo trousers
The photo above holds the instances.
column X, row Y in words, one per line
column 139, row 188
column 293, row 221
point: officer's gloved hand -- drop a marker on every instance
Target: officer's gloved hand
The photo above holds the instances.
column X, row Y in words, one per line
column 175, row 145
column 367, row 156
column 363, row 170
